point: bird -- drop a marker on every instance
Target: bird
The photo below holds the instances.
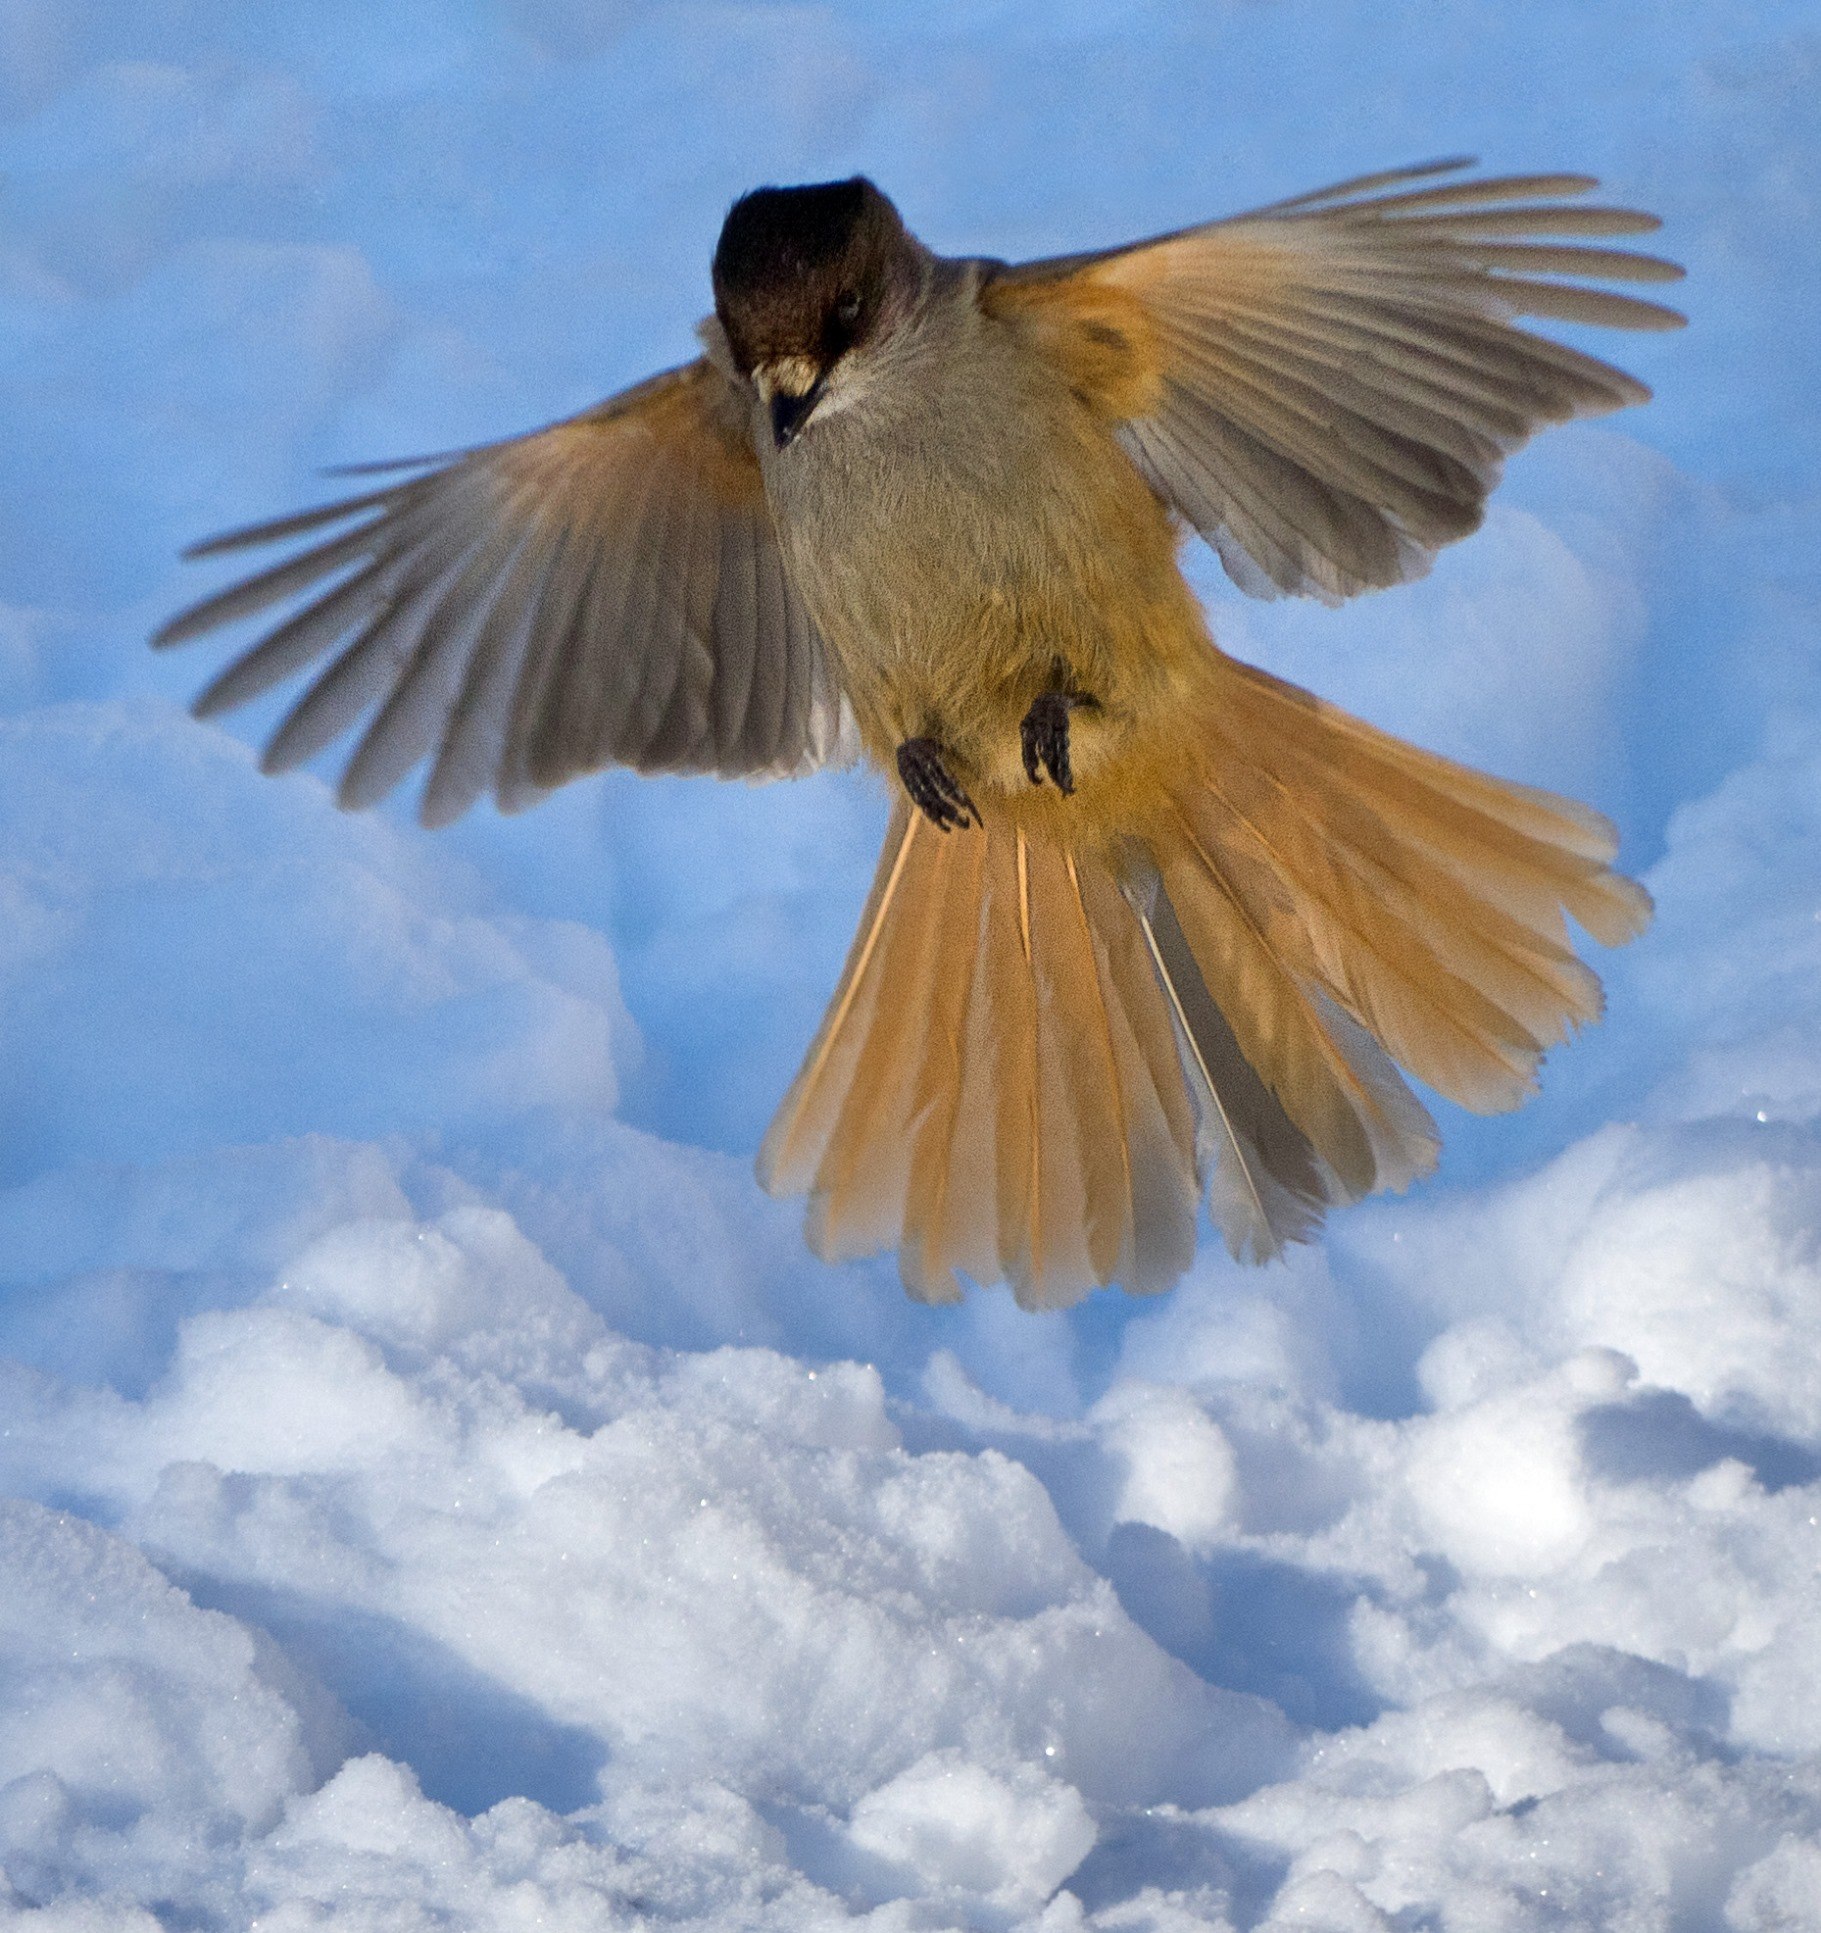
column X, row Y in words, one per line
column 1151, row 927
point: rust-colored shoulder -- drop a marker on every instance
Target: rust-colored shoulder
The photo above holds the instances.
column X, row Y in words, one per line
column 1100, row 336
column 692, row 417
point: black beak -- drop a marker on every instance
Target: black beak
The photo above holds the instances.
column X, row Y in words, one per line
column 790, row 413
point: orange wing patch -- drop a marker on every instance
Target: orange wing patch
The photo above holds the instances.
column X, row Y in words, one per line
column 1101, row 337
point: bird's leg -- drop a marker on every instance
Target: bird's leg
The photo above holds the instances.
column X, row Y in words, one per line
column 1044, row 735
column 934, row 789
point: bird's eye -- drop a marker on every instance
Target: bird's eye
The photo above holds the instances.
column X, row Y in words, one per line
column 847, row 309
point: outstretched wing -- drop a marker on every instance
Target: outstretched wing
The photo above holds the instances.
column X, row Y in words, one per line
column 1327, row 388
column 605, row 591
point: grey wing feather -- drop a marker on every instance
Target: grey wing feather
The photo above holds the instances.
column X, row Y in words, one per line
column 737, row 621
column 474, row 739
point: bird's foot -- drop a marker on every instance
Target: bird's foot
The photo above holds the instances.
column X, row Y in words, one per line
column 1044, row 736
column 933, row 788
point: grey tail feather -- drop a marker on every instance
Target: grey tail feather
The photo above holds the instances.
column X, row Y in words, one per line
column 1265, row 1183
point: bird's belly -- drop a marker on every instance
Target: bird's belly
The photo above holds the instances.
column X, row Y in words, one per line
column 954, row 592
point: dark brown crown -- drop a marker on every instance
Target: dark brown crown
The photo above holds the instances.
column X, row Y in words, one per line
column 807, row 271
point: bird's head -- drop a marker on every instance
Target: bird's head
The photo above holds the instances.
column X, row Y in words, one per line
column 804, row 278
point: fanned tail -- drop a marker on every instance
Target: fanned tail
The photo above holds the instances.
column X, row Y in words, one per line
column 1042, row 1053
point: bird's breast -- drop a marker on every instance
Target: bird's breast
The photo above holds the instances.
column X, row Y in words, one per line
column 961, row 536
column 904, row 511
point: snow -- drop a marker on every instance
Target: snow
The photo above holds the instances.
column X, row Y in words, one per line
column 438, row 1490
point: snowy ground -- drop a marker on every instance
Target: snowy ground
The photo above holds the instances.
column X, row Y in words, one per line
column 440, row 1491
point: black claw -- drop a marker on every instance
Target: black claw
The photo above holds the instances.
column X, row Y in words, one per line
column 933, row 788
column 1044, row 737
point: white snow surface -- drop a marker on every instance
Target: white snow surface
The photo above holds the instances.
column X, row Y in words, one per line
column 438, row 1491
